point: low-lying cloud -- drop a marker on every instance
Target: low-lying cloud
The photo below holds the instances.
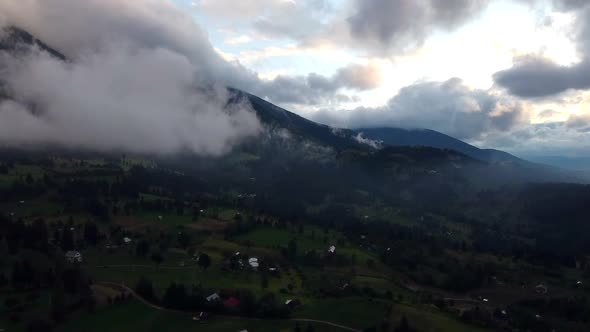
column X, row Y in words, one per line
column 140, row 77
column 450, row 107
column 122, row 99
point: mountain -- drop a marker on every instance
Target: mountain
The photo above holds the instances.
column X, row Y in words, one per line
column 431, row 138
column 15, row 40
column 275, row 117
column 571, row 163
column 290, row 138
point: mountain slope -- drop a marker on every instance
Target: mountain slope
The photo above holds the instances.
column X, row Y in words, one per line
column 431, row 138
column 276, row 117
column 15, row 40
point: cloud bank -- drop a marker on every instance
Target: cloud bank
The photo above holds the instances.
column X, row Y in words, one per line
column 450, row 107
column 141, row 101
column 142, row 77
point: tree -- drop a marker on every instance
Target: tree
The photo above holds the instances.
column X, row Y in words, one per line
column 292, row 249
column 157, row 258
column 403, row 326
column 39, row 325
column 310, row 328
column 58, row 304
column 67, row 239
column 297, row 327
column 204, row 261
column 264, row 281
column 184, row 239
column 142, row 248
column 91, row 233
column 175, row 296
column 145, row 289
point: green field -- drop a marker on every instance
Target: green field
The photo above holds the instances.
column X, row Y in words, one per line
column 357, row 312
column 136, row 317
column 426, row 320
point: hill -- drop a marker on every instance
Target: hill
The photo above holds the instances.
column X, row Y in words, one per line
column 435, row 139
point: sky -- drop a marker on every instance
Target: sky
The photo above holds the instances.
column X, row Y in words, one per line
column 506, row 74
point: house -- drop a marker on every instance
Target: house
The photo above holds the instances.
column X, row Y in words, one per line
column 232, row 302
column 253, row 262
column 127, row 240
column 293, row 303
column 213, row 297
column 332, row 249
column 541, row 289
column 73, row 256
column 201, row 316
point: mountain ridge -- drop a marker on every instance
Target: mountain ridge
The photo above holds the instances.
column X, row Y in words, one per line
column 431, row 138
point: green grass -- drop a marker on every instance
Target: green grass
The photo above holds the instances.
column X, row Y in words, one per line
column 213, row 278
column 136, row 317
column 356, row 312
column 273, row 237
column 34, row 208
column 167, row 218
column 430, row 321
column 39, row 308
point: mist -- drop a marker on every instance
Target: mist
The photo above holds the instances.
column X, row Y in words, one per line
column 119, row 98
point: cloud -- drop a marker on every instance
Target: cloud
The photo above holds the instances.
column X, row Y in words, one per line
column 142, row 77
column 449, row 107
column 548, row 113
column 547, row 139
column 579, row 122
column 533, row 76
column 400, row 24
column 316, row 89
column 360, row 137
column 243, row 9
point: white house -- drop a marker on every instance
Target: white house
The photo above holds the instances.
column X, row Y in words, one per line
column 213, row 297
column 253, row 262
column 127, row 240
column 73, row 256
column 332, row 249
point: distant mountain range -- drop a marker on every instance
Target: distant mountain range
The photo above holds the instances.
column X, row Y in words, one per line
column 431, row 138
column 570, row 163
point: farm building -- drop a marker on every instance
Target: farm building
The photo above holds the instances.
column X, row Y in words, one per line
column 73, row 256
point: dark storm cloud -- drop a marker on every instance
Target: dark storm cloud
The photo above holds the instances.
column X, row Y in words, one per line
column 449, row 107
column 388, row 24
column 533, row 76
